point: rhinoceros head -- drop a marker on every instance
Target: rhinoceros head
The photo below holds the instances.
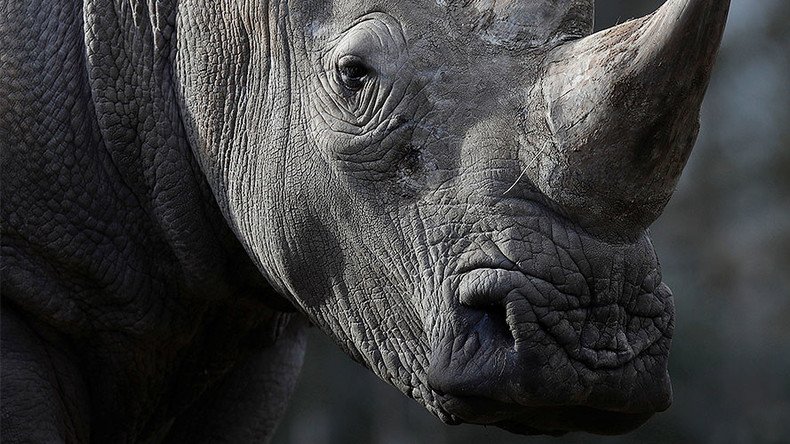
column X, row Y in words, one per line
column 458, row 192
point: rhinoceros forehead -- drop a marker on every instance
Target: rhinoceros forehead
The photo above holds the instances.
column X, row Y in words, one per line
column 513, row 24
column 523, row 23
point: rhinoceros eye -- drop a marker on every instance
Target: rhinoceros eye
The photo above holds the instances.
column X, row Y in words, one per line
column 352, row 72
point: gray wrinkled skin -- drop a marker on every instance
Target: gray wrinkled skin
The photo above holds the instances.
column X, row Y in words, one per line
column 456, row 192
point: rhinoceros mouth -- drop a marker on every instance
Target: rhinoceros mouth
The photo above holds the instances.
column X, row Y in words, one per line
column 551, row 420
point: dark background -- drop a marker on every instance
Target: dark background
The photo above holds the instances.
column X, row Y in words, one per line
column 724, row 242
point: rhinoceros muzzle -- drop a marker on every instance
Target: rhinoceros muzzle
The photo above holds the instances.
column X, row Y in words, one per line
column 586, row 328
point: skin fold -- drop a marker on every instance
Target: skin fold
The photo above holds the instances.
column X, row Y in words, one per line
column 458, row 193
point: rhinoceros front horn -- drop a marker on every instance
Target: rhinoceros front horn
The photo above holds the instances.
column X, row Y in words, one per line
column 623, row 106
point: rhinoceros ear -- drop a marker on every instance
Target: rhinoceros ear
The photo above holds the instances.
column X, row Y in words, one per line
column 623, row 109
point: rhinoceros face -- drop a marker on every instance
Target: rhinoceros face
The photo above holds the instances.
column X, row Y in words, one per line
column 457, row 192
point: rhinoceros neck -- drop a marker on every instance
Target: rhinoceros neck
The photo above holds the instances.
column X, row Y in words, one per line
column 129, row 76
column 111, row 236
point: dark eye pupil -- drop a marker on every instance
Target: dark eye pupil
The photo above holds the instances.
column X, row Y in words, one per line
column 352, row 72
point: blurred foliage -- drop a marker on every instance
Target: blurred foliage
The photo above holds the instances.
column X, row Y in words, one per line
column 724, row 241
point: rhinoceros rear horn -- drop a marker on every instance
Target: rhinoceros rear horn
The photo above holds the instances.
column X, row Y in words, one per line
column 623, row 108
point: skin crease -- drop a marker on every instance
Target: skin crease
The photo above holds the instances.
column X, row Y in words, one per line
column 183, row 175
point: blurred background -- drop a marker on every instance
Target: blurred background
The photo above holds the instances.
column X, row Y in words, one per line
column 724, row 243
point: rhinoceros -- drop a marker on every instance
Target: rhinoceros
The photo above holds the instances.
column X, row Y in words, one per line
column 457, row 192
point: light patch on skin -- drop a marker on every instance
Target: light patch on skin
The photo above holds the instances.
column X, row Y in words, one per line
column 519, row 25
column 317, row 30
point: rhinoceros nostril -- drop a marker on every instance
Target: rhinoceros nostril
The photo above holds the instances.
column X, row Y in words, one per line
column 494, row 322
column 485, row 292
column 489, row 286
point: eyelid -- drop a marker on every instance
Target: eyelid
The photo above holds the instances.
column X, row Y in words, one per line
column 349, row 58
